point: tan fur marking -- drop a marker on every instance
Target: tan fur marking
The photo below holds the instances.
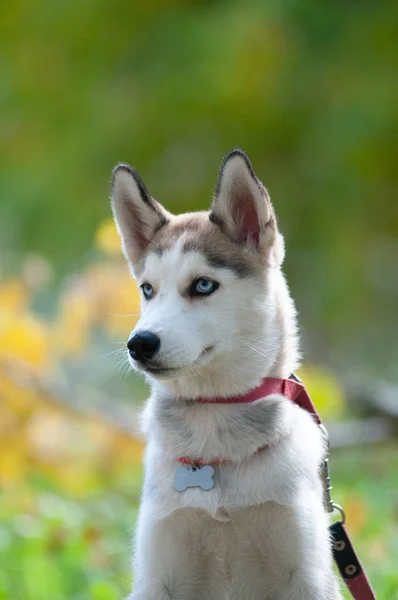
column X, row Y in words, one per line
column 204, row 236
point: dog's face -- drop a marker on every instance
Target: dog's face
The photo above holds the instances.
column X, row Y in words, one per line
column 205, row 277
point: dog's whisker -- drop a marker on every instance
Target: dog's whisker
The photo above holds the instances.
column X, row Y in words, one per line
column 123, row 371
column 250, row 339
column 126, row 369
column 256, row 341
column 114, row 352
column 121, row 363
column 260, row 345
column 120, row 366
column 267, row 356
column 121, row 352
column 196, row 369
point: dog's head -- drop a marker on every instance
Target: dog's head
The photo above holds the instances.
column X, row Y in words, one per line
column 206, row 278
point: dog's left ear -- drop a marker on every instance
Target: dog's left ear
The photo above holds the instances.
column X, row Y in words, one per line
column 242, row 207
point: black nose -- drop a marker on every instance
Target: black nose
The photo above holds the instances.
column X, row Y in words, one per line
column 143, row 345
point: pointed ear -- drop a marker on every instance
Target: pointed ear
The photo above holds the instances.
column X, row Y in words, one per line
column 138, row 216
column 241, row 206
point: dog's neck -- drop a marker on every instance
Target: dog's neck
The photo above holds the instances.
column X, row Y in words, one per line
column 272, row 351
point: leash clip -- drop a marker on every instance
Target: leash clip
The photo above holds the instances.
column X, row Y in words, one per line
column 340, row 510
column 330, row 506
column 325, row 474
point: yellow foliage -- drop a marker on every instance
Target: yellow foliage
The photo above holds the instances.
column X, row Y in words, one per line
column 75, row 451
column 124, row 308
column 325, row 391
column 357, row 513
column 13, row 298
column 115, row 295
column 107, row 238
column 25, row 339
column 74, row 321
column 17, row 398
column 12, row 462
column 379, row 551
column 101, row 296
column 36, row 432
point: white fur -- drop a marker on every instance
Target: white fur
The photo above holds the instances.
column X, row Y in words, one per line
column 262, row 532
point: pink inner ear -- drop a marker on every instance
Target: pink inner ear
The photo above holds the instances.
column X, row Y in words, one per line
column 135, row 220
column 247, row 221
column 141, row 240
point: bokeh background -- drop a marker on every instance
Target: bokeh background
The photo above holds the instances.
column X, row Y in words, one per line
column 310, row 91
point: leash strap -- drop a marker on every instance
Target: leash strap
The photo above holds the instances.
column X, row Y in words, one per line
column 349, row 564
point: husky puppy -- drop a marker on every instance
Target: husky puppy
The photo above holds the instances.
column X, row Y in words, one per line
column 217, row 318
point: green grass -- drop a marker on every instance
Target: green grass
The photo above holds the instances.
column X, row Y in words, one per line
column 57, row 547
column 366, row 483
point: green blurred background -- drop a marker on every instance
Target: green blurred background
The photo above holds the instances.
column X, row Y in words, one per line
column 310, row 91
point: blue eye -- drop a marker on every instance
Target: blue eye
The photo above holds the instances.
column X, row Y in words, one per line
column 203, row 287
column 147, row 290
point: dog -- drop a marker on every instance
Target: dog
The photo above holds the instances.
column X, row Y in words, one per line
column 246, row 520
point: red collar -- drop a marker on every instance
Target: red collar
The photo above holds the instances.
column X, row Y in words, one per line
column 290, row 388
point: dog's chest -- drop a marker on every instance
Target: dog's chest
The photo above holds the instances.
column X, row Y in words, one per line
column 232, row 440
column 188, row 427
column 239, row 546
column 251, row 482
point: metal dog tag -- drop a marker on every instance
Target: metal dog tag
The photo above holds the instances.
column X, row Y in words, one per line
column 194, row 476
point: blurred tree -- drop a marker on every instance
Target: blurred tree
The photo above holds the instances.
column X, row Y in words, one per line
column 307, row 89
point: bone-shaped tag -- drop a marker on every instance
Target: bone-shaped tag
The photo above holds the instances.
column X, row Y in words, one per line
column 193, row 476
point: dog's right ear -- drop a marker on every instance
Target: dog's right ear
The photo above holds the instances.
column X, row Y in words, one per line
column 242, row 208
column 137, row 216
